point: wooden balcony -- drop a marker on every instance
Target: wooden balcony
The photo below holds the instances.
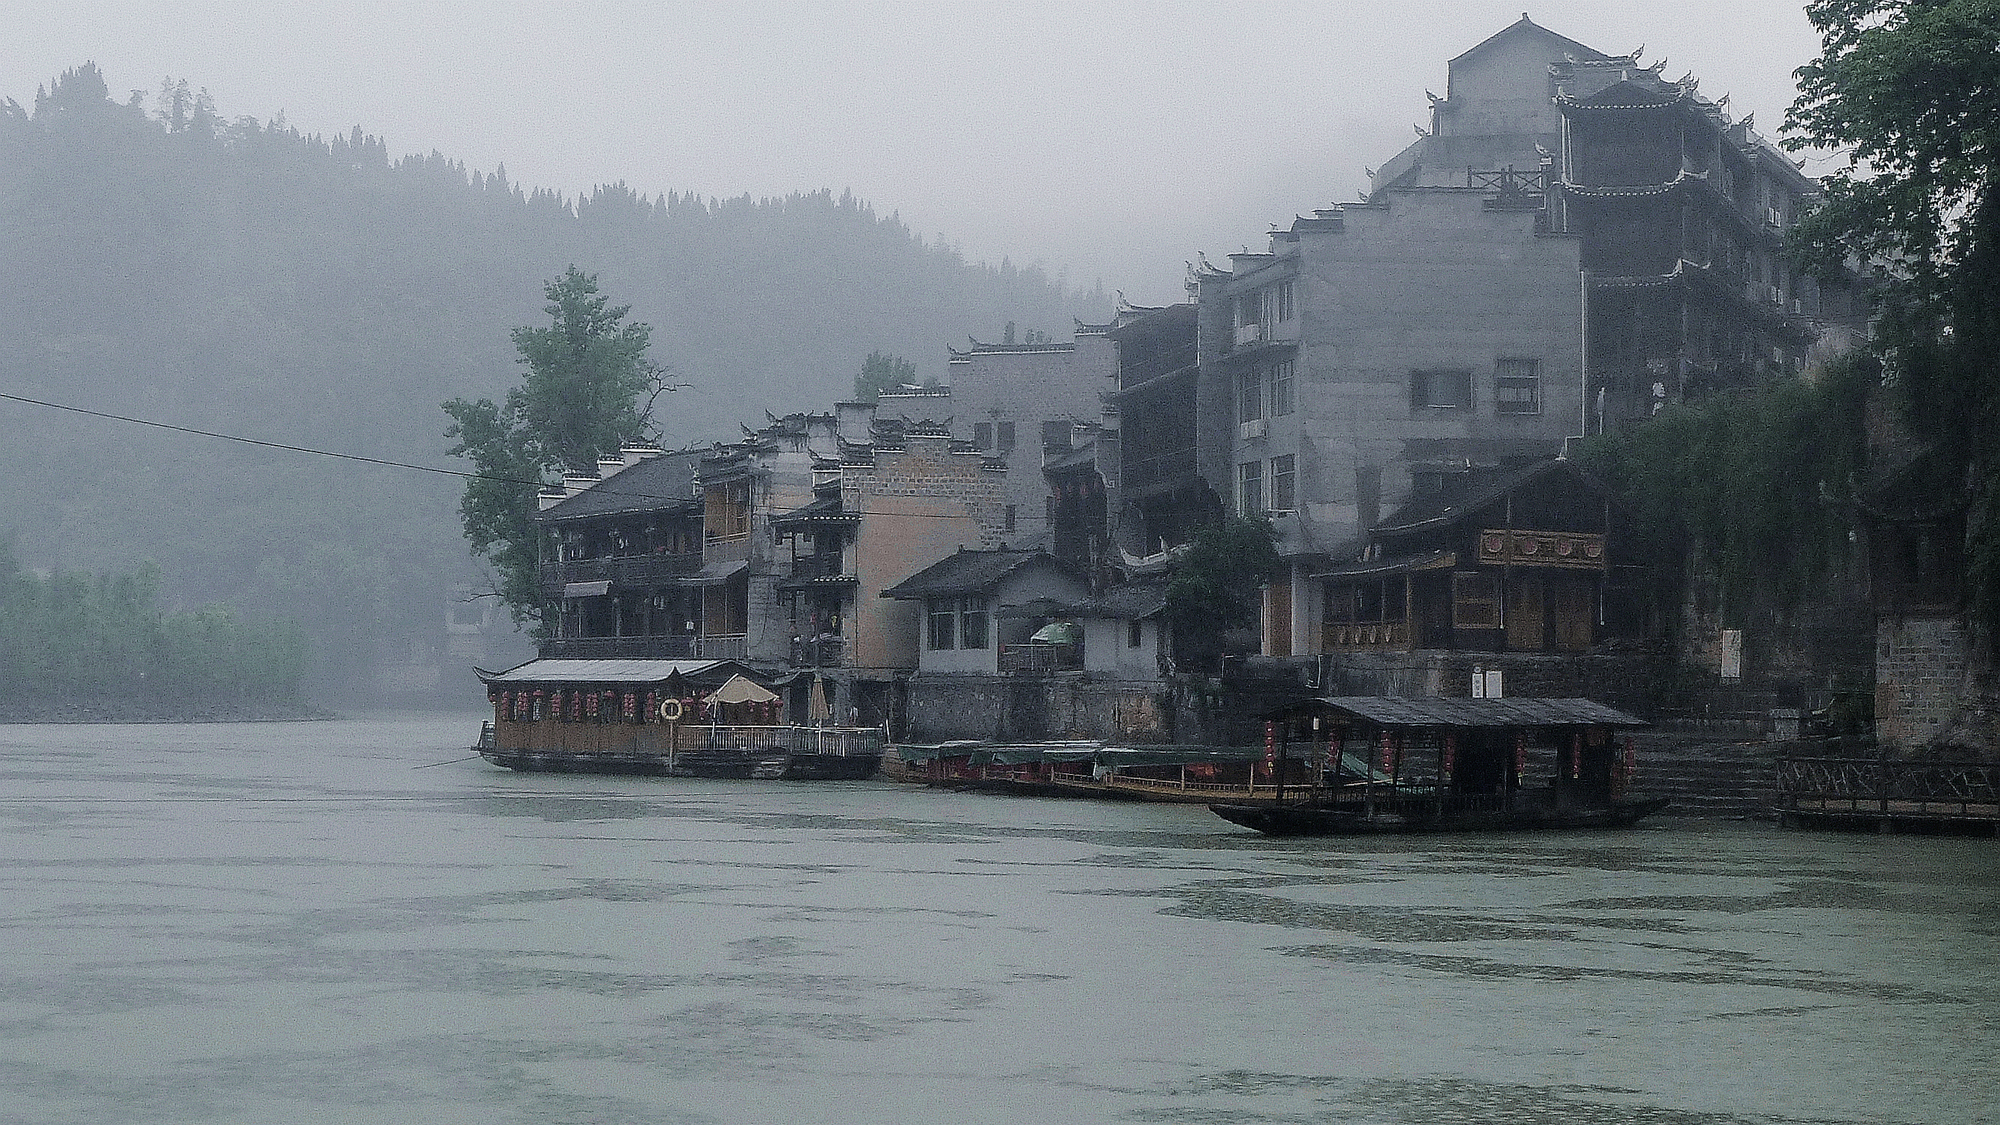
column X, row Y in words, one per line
column 622, row 570
column 1364, row 636
column 1032, row 658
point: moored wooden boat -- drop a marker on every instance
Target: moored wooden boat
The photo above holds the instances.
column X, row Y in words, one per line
column 1451, row 765
column 1416, row 816
column 660, row 717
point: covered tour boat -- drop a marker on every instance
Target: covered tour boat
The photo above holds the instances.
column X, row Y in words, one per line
column 685, row 718
column 1446, row 765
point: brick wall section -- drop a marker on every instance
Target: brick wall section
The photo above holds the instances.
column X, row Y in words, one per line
column 1922, row 677
column 917, row 505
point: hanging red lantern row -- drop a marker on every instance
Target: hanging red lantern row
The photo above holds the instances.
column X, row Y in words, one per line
column 1521, row 755
column 1388, row 748
column 1270, row 747
column 506, row 705
column 1576, row 756
column 1450, row 753
column 630, row 702
column 590, row 705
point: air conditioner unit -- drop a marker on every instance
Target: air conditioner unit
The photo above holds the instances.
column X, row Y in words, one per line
column 1254, row 428
column 1247, row 334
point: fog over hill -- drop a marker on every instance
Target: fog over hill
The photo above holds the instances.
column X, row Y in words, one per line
column 162, row 262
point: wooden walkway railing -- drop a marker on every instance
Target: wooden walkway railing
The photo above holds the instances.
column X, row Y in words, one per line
column 1859, row 790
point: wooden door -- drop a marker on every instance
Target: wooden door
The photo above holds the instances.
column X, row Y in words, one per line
column 1575, row 616
column 1524, row 611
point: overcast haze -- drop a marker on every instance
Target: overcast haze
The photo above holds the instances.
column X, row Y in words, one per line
column 1101, row 141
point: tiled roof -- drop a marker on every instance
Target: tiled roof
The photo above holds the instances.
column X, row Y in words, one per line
column 1484, row 489
column 657, row 483
column 968, row 572
column 1471, row 713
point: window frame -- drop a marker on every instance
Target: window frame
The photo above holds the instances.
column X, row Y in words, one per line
column 1250, row 489
column 1284, row 480
column 941, row 632
column 972, row 609
column 1249, row 396
column 1517, row 372
column 1426, row 384
column 1284, row 378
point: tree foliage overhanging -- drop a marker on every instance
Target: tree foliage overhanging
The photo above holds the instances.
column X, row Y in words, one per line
column 1216, row 586
column 579, row 400
column 1909, row 92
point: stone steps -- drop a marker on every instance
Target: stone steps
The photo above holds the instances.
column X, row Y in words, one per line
column 1706, row 772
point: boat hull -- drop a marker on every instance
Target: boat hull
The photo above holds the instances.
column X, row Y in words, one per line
column 1347, row 820
column 710, row 764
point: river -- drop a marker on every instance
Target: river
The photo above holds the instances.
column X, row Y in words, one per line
column 345, row 921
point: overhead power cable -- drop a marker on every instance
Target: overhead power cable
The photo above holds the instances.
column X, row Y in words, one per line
column 600, row 489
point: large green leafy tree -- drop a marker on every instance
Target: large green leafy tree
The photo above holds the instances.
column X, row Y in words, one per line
column 1909, row 92
column 884, row 372
column 1216, row 587
column 589, row 388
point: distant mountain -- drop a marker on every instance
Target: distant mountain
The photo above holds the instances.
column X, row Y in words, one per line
column 238, row 277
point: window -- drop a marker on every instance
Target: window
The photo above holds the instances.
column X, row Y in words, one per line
column 982, row 435
column 1248, row 307
column 1055, row 434
column 1442, row 390
column 1517, row 387
column 1250, row 488
column 1281, row 389
column 1249, row 396
column 1006, row 435
column 1010, row 517
column 944, row 620
column 1284, row 482
column 972, row 627
column 1475, row 600
column 1135, row 633
column 1287, row 308
column 728, row 514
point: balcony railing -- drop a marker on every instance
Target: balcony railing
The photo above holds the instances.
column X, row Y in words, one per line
column 728, row 646
column 817, row 568
column 1031, row 658
column 819, row 652
column 624, row 570
column 622, row 648
column 1366, row 635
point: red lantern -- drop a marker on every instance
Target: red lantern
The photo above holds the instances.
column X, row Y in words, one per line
column 631, row 702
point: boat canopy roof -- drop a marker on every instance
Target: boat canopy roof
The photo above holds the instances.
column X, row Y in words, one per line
column 608, row 671
column 1392, row 713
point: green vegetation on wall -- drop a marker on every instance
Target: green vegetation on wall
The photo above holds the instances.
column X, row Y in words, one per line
column 1750, row 480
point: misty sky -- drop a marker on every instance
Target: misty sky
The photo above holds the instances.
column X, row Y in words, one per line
column 1102, row 141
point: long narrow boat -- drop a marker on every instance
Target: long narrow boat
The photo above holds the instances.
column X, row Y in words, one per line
column 662, row 717
column 1452, row 765
column 1416, row 816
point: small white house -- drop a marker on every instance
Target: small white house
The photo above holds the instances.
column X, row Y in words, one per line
column 971, row 600
column 1123, row 630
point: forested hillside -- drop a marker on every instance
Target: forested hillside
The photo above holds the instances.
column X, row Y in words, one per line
column 159, row 261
